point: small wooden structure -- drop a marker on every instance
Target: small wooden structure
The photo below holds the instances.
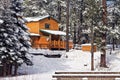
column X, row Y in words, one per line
column 87, row 47
column 86, row 76
column 44, row 33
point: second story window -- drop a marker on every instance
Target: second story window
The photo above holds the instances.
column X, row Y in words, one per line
column 47, row 26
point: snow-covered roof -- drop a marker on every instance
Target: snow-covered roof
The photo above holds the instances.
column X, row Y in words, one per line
column 34, row 34
column 1, row 21
column 87, row 44
column 54, row 32
column 30, row 19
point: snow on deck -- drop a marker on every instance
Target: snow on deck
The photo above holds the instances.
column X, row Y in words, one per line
column 77, row 61
column 34, row 34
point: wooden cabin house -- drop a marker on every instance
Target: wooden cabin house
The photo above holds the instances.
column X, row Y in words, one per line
column 44, row 33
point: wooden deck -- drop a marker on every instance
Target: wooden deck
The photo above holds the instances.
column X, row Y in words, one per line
column 87, row 75
column 55, row 45
column 59, row 44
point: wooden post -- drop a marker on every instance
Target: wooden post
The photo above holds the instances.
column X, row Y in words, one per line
column 64, row 44
column 59, row 43
column 54, row 44
column 49, row 42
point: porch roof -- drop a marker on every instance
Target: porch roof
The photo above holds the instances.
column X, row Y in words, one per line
column 54, row 32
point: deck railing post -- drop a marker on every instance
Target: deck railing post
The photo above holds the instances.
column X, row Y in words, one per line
column 59, row 44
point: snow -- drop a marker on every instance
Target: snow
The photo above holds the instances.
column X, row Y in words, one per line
column 45, row 1
column 87, row 75
column 45, row 51
column 84, row 78
column 34, row 34
column 87, row 44
column 76, row 61
column 54, row 32
column 1, row 21
column 117, row 78
column 30, row 19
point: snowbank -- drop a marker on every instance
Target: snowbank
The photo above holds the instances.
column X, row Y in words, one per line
column 76, row 61
column 1, row 21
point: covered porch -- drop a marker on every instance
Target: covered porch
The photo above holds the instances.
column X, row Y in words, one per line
column 55, row 40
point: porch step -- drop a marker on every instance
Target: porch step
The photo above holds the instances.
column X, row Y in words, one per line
column 87, row 75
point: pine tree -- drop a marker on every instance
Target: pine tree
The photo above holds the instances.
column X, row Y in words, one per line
column 35, row 7
column 92, row 18
column 113, row 22
column 14, row 40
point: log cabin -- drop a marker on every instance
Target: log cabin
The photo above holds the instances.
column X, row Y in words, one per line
column 44, row 33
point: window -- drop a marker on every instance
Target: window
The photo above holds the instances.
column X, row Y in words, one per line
column 47, row 26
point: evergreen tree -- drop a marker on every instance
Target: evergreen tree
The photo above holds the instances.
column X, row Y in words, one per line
column 35, row 7
column 113, row 22
column 14, row 40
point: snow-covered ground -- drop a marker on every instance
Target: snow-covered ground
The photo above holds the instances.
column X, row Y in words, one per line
column 76, row 60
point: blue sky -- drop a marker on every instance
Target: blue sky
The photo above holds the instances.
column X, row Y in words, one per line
column 109, row 2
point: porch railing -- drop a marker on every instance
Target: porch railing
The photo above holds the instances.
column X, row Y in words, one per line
column 59, row 44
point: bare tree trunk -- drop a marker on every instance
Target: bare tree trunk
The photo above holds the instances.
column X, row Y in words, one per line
column 103, row 55
column 113, row 44
column 79, row 35
column 67, row 27
column 103, row 59
column 4, row 69
column 1, row 70
column 81, row 24
column 74, row 39
column 9, row 72
column 59, row 12
column 92, row 48
column 8, row 69
column 116, row 43
column 15, row 69
column 113, row 37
